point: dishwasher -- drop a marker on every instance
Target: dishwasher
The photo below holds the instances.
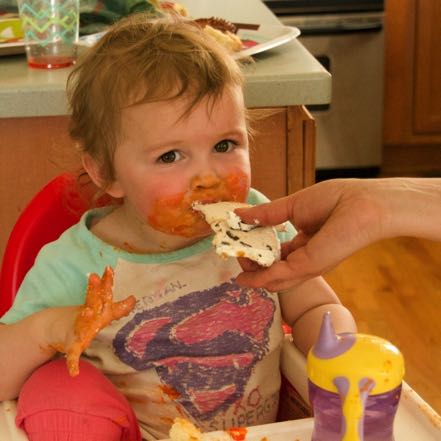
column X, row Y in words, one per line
column 347, row 38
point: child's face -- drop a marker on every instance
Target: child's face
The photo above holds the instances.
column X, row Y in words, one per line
column 164, row 163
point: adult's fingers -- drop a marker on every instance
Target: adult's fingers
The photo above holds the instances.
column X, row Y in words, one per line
column 340, row 237
column 272, row 213
column 248, row 265
column 307, row 209
column 269, row 278
column 298, row 241
column 281, row 275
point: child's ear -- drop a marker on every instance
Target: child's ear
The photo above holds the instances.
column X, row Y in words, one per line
column 93, row 169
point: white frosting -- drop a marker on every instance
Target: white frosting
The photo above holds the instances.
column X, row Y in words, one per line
column 234, row 238
column 235, row 222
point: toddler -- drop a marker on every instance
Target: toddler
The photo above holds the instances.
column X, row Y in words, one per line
column 159, row 114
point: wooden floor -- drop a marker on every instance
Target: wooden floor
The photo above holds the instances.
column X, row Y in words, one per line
column 393, row 288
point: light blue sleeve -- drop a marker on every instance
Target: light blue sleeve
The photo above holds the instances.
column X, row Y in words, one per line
column 58, row 277
column 256, row 198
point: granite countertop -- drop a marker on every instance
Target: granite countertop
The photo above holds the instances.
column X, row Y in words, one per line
column 285, row 75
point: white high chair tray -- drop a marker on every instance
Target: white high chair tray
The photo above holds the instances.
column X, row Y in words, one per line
column 415, row 419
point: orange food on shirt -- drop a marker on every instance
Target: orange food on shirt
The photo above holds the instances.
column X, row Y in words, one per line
column 170, row 391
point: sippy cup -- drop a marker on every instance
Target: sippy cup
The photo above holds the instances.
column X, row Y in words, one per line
column 354, row 386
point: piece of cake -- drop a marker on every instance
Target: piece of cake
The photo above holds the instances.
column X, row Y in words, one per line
column 217, row 23
column 184, row 430
column 174, row 7
column 234, row 238
column 230, row 41
column 222, row 31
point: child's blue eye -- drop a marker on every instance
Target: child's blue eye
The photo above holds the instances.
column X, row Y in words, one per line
column 224, row 146
column 169, row 157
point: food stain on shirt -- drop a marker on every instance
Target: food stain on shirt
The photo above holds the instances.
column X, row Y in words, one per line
column 171, row 392
column 167, row 420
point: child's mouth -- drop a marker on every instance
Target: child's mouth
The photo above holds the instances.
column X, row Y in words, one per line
column 175, row 214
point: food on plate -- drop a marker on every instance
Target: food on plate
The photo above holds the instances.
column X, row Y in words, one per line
column 217, row 23
column 233, row 238
column 173, row 7
column 184, row 430
column 230, row 41
column 222, row 31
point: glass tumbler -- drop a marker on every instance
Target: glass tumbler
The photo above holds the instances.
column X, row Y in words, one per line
column 51, row 32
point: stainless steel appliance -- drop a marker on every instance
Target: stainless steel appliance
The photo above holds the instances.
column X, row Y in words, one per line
column 346, row 36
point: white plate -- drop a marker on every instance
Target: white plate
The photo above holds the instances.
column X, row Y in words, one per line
column 266, row 37
column 415, row 421
column 89, row 40
column 17, row 47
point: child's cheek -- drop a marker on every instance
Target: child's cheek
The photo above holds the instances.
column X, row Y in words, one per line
column 238, row 185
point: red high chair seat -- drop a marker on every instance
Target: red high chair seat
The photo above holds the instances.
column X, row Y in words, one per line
column 56, row 207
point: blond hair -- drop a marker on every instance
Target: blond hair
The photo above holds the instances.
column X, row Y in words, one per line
column 142, row 59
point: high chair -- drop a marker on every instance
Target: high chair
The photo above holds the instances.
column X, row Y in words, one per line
column 293, row 399
column 56, row 207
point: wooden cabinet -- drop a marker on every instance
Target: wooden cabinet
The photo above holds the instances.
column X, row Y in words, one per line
column 34, row 150
column 283, row 152
column 412, row 118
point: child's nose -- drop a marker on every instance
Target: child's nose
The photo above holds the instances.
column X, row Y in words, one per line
column 206, row 181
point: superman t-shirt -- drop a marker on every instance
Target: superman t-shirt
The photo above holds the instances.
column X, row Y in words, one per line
column 196, row 344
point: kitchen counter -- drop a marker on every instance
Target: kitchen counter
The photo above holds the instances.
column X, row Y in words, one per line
column 35, row 144
column 284, row 76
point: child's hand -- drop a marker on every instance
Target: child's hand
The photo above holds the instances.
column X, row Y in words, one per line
column 98, row 311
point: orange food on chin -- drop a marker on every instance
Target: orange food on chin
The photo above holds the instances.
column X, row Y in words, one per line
column 179, row 221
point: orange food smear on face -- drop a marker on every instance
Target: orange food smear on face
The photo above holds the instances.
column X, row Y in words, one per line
column 238, row 183
column 237, row 433
column 174, row 214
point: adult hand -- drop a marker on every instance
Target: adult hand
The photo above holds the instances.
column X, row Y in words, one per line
column 336, row 218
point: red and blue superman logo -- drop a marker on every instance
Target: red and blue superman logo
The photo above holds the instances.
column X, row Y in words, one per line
column 204, row 345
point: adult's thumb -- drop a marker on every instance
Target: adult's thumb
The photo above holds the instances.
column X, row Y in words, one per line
column 271, row 213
